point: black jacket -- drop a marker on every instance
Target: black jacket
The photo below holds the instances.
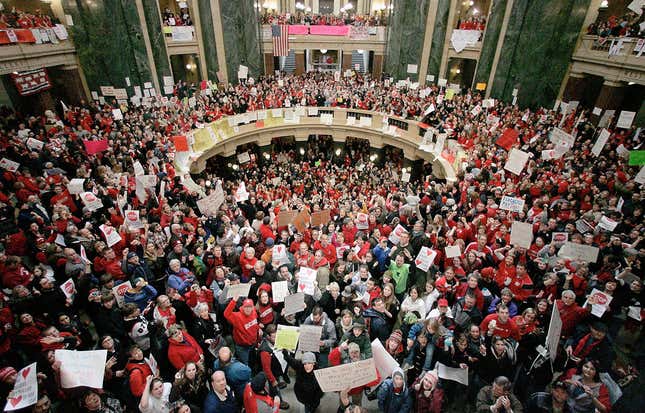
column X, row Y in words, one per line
column 306, row 388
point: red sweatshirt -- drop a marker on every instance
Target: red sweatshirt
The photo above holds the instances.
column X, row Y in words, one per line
column 245, row 328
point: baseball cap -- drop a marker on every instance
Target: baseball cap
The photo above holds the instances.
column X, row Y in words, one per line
column 247, row 303
column 442, row 302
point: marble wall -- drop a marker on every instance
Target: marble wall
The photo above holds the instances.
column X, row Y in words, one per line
column 491, row 37
column 157, row 43
column 241, row 37
column 109, row 42
column 405, row 37
column 537, row 49
column 438, row 38
column 208, row 38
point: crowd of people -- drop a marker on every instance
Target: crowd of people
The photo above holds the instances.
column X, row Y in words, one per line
column 20, row 19
column 343, row 19
column 182, row 18
column 483, row 311
column 627, row 25
column 473, row 23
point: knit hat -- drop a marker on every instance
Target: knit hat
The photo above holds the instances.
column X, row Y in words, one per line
column 358, row 325
column 397, row 372
column 6, row 372
column 258, row 383
column 432, row 376
column 308, row 357
column 396, row 335
column 269, row 242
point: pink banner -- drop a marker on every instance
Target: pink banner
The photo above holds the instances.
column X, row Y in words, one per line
column 329, row 30
column 299, row 29
column 93, row 147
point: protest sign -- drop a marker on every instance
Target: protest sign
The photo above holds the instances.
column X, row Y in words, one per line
column 241, row 193
column 111, row 235
column 625, row 119
column 152, row 363
column 361, row 221
column 383, row 361
column 309, row 339
column 560, row 237
column 294, row 303
column 286, row 337
column 320, row 218
column 553, row 335
column 607, row 224
column 602, row 302
column 509, row 203
column 81, row 368
column 425, row 258
column 306, row 279
column 453, row 374
column 516, row 161
column 243, row 157
column 240, row 290
column 25, row 389
column 35, row 144
column 279, row 289
column 119, row 292
column 604, row 120
column 9, row 165
column 405, row 176
column 395, row 235
column 561, row 138
column 279, row 254
column 68, row 288
column 210, row 204
column 579, row 252
column 301, row 220
column 508, row 138
column 600, row 142
column 75, row 186
column 286, row 217
column 521, row 234
column 349, row 375
column 132, row 219
column 583, row 226
column 636, row 158
column 94, row 147
column 453, row 251
column 117, row 114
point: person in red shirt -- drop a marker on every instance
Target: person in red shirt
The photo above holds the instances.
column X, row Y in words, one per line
column 63, row 197
column 517, row 281
column 328, row 249
column 247, row 261
column 500, row 324
column 183, row 348
column 246, row 330
column 256, row 396
column 571, row 313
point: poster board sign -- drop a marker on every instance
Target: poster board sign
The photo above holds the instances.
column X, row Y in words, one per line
column 279, row 289
column 152, row 363
column 384, row 362
column 516, row 161
column 240, row 290
column 35, row 144
column 75, row 186
column 453, row 374
column 453, row 251
column 607, row 224
column 361, row 221
column 320, row 218
column 395, row 236
column 132, row 219
column 602, row 302
column 560, row 137
column 243, row 158
column 286, row 337
column 625, row 119
column 521, row 234
column 553, row 335
column 600, row 142
column 81, row 368
column 512, row 204
column 68, row 288
column 210, row 204
column 25, row 389
column 279, row 254
column 286, row 217
column 309, row 339
column 306, row 279
column 425, row 258
column 294, row 303
column 119, row 292
column 111, row 235
column 350, row 375
column 301, row 220
column 579, row 252
column 560, row 237
column 9, row 165
column 606, row 117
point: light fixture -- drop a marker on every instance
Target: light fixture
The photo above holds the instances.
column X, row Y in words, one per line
column 372, row 158
column 300, row 6
column 308, row 9
column 604, row 4
column 235, row 167
column 323, row 51
column 267, row 156
column 338, row 152
column 457, row 71
column 475, row 11
column 349, row 6
column 631, row 83
column 302, row 151
column 360, row 51
column 188, row 66
column 472, row 3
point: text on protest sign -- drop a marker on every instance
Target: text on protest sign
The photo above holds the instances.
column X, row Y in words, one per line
column 521, row 234
column 287, row 337
column 553, row 335
column 294, row 303
column 453, row 251
column 81, row 368
column 309, row 339
column 516, row 161
column 25, row 389
column 240, row 290
column 509, row 203
column 384, row 362
column 350, row 375
column 279, row 289
column 453, row 373
column 579, row 252
column 602, row 302
column 425, row 258
column 306, row 279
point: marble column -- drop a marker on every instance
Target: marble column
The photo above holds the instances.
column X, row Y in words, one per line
column 446, row 44
column 404, row 43
column 268, row 64
column 74, row 89
column 300, row 63
column 490, row 41
column 146, row 41
column 438, row 37
column 611, row 95
column 241, row 37
column 427, row 41
column 157, row 43
column 574, row 90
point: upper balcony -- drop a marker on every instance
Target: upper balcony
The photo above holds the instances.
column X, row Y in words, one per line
column 180, row 39
column 465, row 44
column 27, row 49
column 617, row 59
column 302, row 37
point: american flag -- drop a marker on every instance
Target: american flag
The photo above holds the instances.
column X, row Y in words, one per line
column 280, row 35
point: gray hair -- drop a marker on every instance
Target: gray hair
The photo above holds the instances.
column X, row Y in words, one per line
column 199, row 307
column 503, row 382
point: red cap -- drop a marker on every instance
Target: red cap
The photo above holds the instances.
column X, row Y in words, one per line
column 442, row 302
column 383, row 239
column 247, row 303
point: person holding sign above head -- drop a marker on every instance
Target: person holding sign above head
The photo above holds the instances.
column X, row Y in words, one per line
column 306, row 387
column 246, row 330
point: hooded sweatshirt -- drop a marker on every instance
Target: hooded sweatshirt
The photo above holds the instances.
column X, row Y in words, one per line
column 392, row 399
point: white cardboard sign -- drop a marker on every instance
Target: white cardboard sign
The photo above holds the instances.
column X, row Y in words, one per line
column 509, row 203
column 521, row 234
column 25, row 389
column 81, row 368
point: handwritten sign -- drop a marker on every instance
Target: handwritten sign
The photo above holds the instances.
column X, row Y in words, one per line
column 521, row 234
column 320, row 218
column 240, row 290
column 25, row 389
column 600, row 142
column 309, row 339
column 81, row 368
column 279, row 289
column 607, row 224
column 279, row 254
column 509, row 203
column 560, row 137
column 75, row 186
column 579, row 252
column 453, row 374
column 306, row 279
column 350, row 375
column 286, row 337
column 301, row 220
column 425, row 258
column 361, row 221
column 294, row 303
column 453, row 251
column 553, row 335
column 286, row 217
column 516, row 161
column 210, row 204
column 384, row 362
column 625, row 119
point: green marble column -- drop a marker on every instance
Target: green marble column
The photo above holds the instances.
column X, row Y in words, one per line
column 109, row 42
column 491, row 37
column 537, row 49
column 438, row 38
column 241, row 37
column 405, row 37
column 157, row 42
column 208, row 39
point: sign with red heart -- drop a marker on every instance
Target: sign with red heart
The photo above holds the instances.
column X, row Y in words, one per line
column 25, row 390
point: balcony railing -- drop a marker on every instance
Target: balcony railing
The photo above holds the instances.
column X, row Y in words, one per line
column 179, row 34
column 613, row 51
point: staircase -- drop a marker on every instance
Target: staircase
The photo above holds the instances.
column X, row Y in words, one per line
column 290, row 63
column 357, row 59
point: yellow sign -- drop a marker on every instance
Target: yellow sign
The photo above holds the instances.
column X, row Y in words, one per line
column 480, row 86
column 450, row 93
column 287, row 338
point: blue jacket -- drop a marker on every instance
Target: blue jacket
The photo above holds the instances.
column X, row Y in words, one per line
column 142, row 297
column 176, row 281
column 237, row 375
column 212, row 403
column 382, row 256
column 391, row 402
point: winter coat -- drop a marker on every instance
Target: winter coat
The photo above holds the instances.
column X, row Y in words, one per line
column 362, row 340
column 379, row 325
column 306, row 387
column 180, row 353
column 141, row 297
column 391, row 402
